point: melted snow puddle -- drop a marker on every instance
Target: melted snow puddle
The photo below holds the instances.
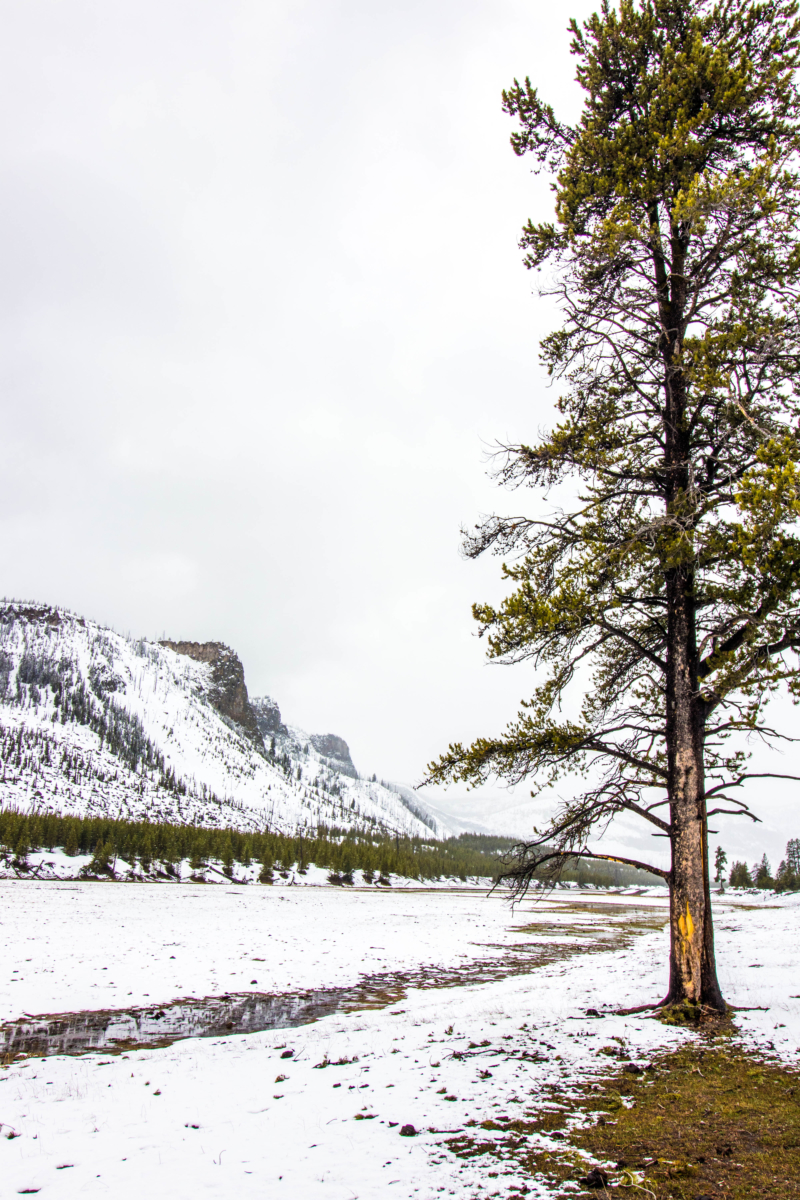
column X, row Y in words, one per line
column 253, row 1012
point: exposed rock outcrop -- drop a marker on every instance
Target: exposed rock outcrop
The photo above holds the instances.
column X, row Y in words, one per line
column 268, row 717
column 228, row 691
column 41, row 613
column 336, row 750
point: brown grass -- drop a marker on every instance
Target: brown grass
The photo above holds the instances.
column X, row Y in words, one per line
column 705, row 1121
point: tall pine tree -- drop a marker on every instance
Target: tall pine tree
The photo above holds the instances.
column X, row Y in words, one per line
column 665, row 591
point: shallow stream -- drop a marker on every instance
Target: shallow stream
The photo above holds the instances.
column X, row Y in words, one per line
column 111, row 1030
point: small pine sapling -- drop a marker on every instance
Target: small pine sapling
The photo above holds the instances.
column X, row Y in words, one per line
column 762, row 873
column 720, row 862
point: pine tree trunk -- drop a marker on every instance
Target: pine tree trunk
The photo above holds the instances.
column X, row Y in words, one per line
column 693, row 974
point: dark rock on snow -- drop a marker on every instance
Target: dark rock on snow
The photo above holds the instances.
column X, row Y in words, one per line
column 336, row 749
column 596, row 1178
column 268, row 717
column 228, row 689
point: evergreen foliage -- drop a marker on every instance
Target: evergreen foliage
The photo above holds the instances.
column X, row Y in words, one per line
column 71, row 846
column 793, row 856
column 159, row 846
column 740, row 875
column 720, row 862
column 120, row 731
column 787, row 876
column 762, row 874
column 101, row 859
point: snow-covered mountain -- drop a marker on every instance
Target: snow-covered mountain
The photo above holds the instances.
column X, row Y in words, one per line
column 96, row 723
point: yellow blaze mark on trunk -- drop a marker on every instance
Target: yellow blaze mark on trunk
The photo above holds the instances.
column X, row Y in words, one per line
column 686, row 924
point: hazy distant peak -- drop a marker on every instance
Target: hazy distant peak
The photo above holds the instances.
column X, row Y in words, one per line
column 331, row 746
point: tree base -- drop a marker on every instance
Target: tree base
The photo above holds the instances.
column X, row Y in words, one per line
column 691, row 1015
column 686, row 1013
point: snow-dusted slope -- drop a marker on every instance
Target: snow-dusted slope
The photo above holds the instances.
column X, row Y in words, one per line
column 95, row 723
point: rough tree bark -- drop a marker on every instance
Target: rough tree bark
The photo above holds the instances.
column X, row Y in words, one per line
column 693, row 974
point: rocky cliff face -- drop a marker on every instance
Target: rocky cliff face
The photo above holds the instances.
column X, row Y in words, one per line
column 332, row 749
column 332, row 746
column 268, row 717
column 228, row 691
column 336, row 751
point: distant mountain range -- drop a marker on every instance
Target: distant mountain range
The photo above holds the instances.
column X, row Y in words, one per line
column 93, row 722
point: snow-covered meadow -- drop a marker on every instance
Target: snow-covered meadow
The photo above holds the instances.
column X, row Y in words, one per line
column 241, row 1116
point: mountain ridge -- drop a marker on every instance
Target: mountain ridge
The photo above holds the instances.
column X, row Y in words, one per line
column 94, row 722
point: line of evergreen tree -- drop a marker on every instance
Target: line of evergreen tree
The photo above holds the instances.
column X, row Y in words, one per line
column 785, row 879
column 339, row 851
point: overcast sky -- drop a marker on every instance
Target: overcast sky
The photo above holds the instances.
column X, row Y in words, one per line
column 263, row 313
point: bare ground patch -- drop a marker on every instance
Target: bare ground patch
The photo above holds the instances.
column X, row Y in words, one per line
column 708, row 1121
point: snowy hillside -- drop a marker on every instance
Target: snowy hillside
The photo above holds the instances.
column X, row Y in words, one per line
column 95, row 723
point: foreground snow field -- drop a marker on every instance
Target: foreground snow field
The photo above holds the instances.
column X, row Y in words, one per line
column 239, row 1117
